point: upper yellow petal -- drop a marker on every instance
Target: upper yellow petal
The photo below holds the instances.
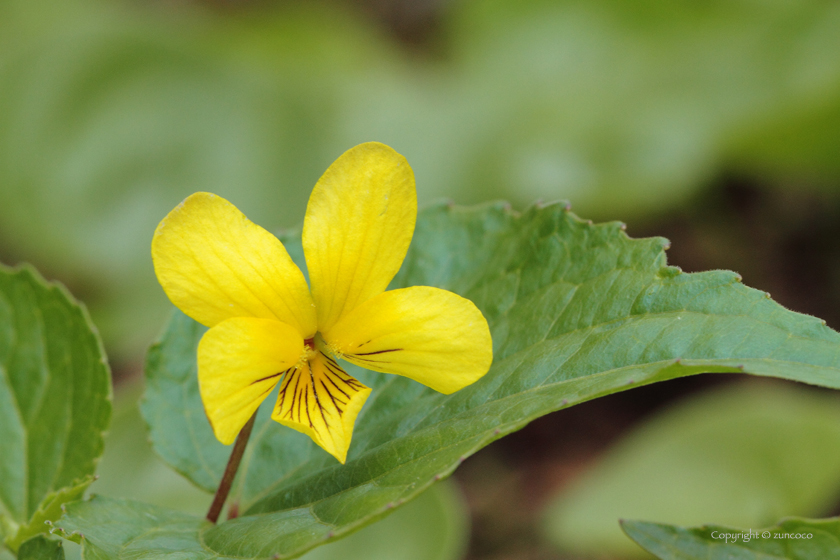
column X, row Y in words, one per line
column 430, row 335
column 321, row 400
column 240, row 360
column 214, row 264
column 357, row 228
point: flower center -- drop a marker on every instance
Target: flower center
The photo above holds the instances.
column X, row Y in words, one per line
column 317, row 345
column 309, row 351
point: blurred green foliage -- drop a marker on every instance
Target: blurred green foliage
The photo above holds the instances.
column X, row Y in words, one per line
column 111, row 112
column 742, row 456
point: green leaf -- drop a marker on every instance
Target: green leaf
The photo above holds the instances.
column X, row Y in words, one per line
column 744, row 455
column 50, row 510
column 55, row 391
column 433, row 527
column 41, row 548
column 790, row 539
column 576, row 310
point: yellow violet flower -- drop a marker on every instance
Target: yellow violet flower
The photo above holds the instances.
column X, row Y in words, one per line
column 267, row 327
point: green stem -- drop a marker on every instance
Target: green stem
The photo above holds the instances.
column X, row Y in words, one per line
column 230, row 471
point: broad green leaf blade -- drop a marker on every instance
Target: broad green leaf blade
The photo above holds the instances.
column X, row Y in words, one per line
column 55, row 391
column 742, row 455
column 576, row 310
column 433, row 527
column 41, row 548
column 49, row 511
column 790, row 539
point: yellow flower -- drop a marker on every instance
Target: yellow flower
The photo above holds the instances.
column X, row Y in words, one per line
column 267, row 327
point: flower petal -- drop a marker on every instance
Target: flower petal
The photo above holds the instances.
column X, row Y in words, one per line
column 240, row 360
column 430, row 335
column 357, row 228
column 321, row 400
column 214, row 264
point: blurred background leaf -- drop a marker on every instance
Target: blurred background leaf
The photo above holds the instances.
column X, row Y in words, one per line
column 742, row 456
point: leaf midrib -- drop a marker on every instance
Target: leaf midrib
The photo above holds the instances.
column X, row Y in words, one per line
column 467, row 413
column 639, row 316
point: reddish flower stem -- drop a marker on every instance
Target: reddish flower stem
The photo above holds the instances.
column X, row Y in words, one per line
column 230, row 471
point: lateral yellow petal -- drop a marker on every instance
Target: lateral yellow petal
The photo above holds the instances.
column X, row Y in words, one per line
column 427, row 334
column 240, row 360
column 214, row 263
column 357, row 228
column 322, row 401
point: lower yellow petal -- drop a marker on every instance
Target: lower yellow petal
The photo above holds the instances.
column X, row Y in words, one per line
column 240, row 360
column 321, row 400
column 427, row 334
column 214, row 264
